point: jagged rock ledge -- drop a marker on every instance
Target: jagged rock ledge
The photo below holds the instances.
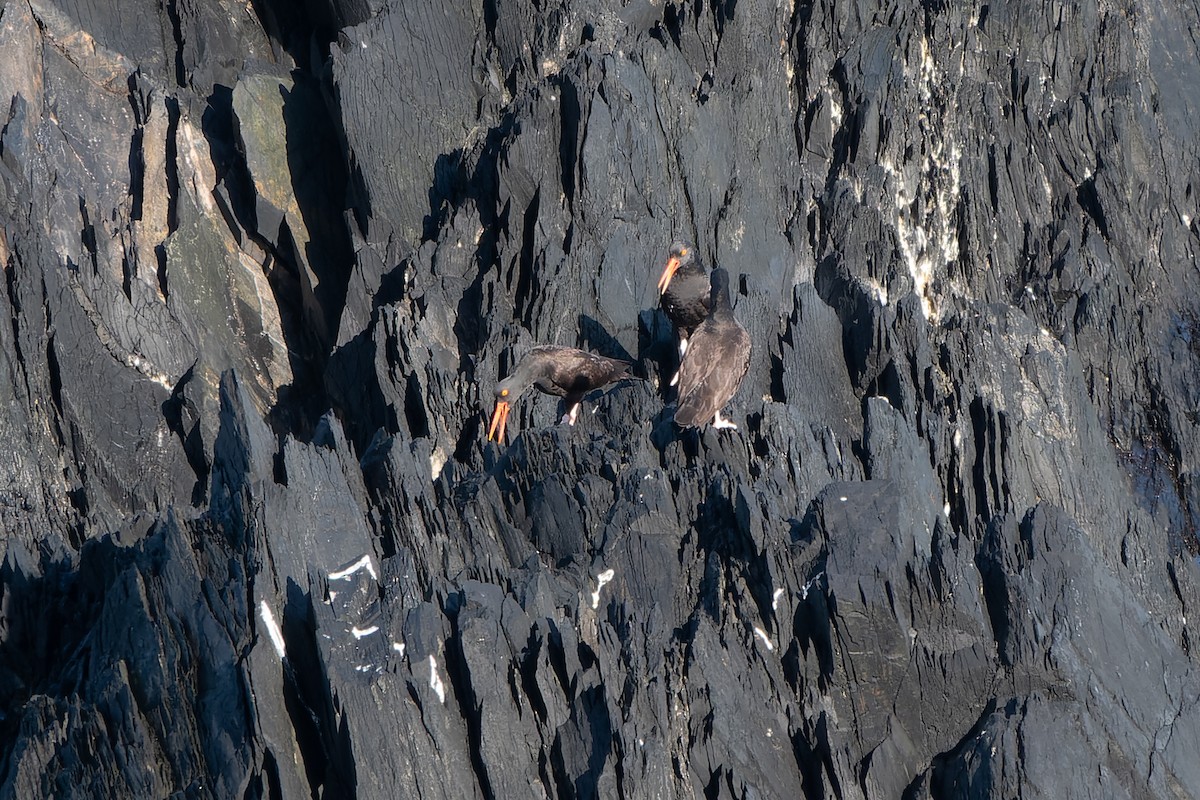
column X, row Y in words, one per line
column 263, row 263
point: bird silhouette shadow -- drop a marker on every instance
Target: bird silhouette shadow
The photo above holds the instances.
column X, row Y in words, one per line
column 595, row 337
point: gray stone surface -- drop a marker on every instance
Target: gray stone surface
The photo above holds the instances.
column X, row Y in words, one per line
column 263, row 264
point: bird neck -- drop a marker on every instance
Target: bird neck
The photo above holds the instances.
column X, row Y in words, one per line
column 719, row 281
column 721, row 307
column 527, row 373
column 516, row 384
column 692, row 266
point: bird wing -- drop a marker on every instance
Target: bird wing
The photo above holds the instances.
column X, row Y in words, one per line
column 578, row 371
column 717, row 359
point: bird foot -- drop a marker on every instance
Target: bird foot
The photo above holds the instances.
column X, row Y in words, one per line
column 721, row 422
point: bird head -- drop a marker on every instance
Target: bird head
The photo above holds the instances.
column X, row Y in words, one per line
column 680, row 255
column 504, row 398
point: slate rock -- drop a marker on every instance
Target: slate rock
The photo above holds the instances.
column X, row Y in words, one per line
column 263, row 265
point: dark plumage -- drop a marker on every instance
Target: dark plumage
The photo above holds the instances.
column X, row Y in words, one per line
column 715, row 363
column 561, row 371
column 684, row 292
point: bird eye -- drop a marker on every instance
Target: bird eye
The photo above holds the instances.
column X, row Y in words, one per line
column 504, row 392
column 683, row 252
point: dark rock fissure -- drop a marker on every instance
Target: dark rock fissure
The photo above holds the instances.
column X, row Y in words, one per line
column 253, row 540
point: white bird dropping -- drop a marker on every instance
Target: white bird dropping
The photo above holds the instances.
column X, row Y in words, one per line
column 272, row 627
column 601, row 579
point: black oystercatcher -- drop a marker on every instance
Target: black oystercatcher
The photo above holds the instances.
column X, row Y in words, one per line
column 561, row 371
column 716, row 361
column 684, row 293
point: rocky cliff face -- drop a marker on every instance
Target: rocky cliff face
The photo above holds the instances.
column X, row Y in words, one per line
column 264, row 262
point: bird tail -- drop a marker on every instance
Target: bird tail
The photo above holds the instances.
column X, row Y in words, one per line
column 688, row 414
column 625, row 374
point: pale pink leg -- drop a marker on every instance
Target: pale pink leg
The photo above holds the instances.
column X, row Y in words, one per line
column 721, row 422
column 570, row 416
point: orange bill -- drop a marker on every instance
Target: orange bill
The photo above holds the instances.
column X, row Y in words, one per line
column 499, row 417
column 668, row 273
